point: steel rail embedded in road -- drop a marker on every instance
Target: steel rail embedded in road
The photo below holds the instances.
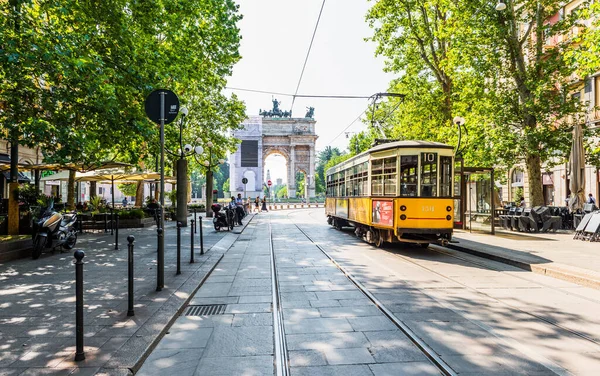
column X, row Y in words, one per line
column 282, row 364
column 427, row 351
column 548, row 364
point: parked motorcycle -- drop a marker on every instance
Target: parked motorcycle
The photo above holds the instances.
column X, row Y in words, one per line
column 224, row 217
column 53, row 230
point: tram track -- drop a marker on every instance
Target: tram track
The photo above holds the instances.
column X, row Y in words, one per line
column 282, row 363
column 557, row 369
column 440, row 250
column 435, row 359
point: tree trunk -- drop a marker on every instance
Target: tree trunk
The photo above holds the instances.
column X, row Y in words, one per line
column 93, row 189
column 534, row 172
column 71, row 190
column 139, row 195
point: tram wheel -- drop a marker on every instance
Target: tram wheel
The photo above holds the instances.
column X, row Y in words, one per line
column 338, row 225
column 379, row 240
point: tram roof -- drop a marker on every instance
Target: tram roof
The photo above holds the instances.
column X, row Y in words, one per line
column 396, row 145
column 409, row 144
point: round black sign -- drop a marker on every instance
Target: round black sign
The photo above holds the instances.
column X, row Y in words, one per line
column 153, row 105
column 244, row 181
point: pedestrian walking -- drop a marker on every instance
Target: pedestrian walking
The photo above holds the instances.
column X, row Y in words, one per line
column 125, row 202
column 257, row 204
column 264, row 204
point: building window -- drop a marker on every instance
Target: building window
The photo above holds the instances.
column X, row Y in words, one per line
column 517, row 178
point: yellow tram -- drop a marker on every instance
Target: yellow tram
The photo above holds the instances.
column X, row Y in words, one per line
column 396, row 191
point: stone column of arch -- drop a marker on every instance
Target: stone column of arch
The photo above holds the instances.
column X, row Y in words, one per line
column 313, row 179
column 291, row 183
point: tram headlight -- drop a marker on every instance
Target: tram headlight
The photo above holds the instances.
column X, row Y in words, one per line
column 403, row 208
column 448, row 217
column 448, row 208
column 403, row 217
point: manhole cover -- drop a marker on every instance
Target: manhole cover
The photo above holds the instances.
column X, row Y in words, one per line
column 205, row 310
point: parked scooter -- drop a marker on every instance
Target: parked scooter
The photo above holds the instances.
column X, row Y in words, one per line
column 53, row 230
column 224, row 217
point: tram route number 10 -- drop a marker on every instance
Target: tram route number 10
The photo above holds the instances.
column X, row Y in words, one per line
column 429, row 157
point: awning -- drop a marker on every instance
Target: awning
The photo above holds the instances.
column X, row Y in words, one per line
column 22, row 177
column 547, row 178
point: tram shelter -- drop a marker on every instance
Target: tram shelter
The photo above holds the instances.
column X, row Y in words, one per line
column 475, row 199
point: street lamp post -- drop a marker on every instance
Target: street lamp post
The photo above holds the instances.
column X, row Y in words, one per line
column 182, row 170
column 209, row 177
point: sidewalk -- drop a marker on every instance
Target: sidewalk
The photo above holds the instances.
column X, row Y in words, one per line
column 553, row 254
column 37, row 301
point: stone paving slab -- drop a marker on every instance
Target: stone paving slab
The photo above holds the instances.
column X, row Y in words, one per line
column 238, row 342
column 37, row 332
column 556, row 255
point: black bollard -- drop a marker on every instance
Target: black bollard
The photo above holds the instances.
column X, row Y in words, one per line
column 130, row 239
column 192, row 242
column 179, row 224
column 195, row 221
column 79, row 353
column 160, row 261
column 112, row 221
column 201, row 237
column 117, row 232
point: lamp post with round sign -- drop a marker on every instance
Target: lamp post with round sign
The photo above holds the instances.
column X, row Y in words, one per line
column 162, row 107
column 244, row 181
column 182, row 170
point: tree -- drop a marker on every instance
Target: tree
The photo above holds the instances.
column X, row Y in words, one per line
column 466, row 58
column 225, row 187
column 324, row 156
column 74, row 75
column 128, row 189
column 283, row 192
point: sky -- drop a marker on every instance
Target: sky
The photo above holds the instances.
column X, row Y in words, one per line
column 276, row 35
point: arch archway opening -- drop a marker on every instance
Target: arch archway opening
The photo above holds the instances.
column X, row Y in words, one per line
column 276, row 169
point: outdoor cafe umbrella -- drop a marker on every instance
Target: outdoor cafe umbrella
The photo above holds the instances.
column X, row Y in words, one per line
column 577, row 168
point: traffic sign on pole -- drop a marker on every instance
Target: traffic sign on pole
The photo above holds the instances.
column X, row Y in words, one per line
column 162, row 107
column 153, row 106
column 269, row 183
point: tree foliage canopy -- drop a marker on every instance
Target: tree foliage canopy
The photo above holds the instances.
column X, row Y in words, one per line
column 508, row 73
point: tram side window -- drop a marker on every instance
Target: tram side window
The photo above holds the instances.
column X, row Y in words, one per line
column 389, row 176
column 428, row 174
column 408, row 175
column 377, row 177
column 446, row 176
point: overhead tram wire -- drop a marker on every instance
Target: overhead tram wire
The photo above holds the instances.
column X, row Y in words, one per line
column 301, row 95
column 374, row 97
column 307, row 55
column 348, row 126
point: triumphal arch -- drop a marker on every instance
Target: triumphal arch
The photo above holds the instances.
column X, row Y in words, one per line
column 273, row 132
